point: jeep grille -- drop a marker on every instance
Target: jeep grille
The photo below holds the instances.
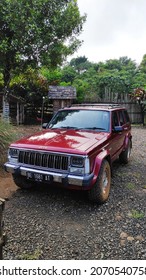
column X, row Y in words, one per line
column 48, row 160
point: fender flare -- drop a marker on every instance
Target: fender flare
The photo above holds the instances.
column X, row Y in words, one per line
column 104, row 154
column 128, row 138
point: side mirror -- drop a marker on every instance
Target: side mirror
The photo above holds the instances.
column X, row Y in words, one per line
column 117, row 129
column 44, row 125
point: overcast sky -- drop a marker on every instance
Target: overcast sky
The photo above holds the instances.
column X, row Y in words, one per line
column 113, row 28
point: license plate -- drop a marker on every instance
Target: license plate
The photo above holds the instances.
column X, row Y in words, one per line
column 38, row 177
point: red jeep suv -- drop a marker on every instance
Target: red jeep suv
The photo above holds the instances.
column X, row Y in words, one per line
column 76, row 149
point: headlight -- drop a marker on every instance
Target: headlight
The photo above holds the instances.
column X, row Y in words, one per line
column 77, row 161
column 79, row 165
column 13, row 152
column 13, row 155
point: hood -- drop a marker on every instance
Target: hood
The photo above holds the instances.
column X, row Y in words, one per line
column 61, row 140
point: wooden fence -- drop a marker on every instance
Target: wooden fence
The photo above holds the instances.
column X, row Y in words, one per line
column 133, row 108
column 134, row 111
column 34, row 114
column 38, row 114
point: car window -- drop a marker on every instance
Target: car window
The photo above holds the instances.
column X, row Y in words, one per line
column 115, row 121
column 126, row 116
column 81, row 119
column 121, row 117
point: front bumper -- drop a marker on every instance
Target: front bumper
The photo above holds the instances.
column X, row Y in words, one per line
column 65, row 179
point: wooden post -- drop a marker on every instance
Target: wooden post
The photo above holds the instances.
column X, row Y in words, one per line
column 17, row 117
column 6, row 109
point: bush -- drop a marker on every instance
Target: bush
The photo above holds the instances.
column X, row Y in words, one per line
column 7, row 135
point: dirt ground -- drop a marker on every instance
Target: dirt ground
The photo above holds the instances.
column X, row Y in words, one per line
column 7, row 186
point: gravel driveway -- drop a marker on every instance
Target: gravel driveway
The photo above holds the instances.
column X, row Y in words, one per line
column 61, row 224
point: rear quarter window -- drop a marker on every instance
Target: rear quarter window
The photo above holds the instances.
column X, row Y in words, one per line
column 115, row 121
column 126, row 116
column 121, row 117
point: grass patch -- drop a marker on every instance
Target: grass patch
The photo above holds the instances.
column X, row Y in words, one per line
column 137, row 214
column 130, row 186
column 33, row 256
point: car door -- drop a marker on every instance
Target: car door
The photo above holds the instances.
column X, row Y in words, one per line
column 116, row 142
column 122, row 123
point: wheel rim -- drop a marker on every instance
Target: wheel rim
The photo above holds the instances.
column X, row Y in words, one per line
column 129, row 151
column 106, row 180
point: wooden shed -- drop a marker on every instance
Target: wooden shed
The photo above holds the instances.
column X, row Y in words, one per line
column 61, row 96
column 12, row 109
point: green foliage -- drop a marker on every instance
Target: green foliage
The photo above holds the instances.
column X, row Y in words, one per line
column 34, row 256
column 142, row 66
column 35, row 32
column 7, row 135
column 65, row 84
column 118, row 75
column 31, row 85
column 90, row 79
column 137, row 214
column 38, row 35
column 139, row 80
column 1, row 81
column 85, row 78
column 68, row 74
column 53, row 77
column 115, row 75
column 82, row 88
column 130, row 186
column 80, row 64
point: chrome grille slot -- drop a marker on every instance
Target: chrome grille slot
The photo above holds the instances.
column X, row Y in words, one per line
column 37, row 160
column 32, row 158
column 47, row 160
column 44, row 160
column 51, row 161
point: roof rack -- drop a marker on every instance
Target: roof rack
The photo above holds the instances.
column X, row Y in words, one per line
column 111, row 105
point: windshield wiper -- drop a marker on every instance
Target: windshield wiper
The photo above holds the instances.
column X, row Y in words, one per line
column 94, row 128
column 68, row 127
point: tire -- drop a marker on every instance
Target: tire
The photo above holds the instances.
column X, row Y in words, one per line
column 101, row 189
column 125, row 155
column 22, row 182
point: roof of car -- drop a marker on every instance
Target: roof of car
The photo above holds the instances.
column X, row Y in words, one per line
column 100, row 106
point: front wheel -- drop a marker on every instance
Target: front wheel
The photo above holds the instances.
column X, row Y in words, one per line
column 22, row 182
column 101, row 189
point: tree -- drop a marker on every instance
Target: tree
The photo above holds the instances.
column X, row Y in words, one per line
column 142, row 65
column 68, row 74
column 37, row 32
column 80, row 64
column 82, row 88
column 117, row 76
column 139, row 95
column 53, row 76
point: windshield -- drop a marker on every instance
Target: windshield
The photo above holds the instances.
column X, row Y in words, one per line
column 81, row 119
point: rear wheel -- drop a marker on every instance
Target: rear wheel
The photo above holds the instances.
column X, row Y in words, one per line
column 101, row 189
column 125, row 155
column 22, row 182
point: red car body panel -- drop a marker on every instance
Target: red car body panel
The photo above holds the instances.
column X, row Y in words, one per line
column 60, row 140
